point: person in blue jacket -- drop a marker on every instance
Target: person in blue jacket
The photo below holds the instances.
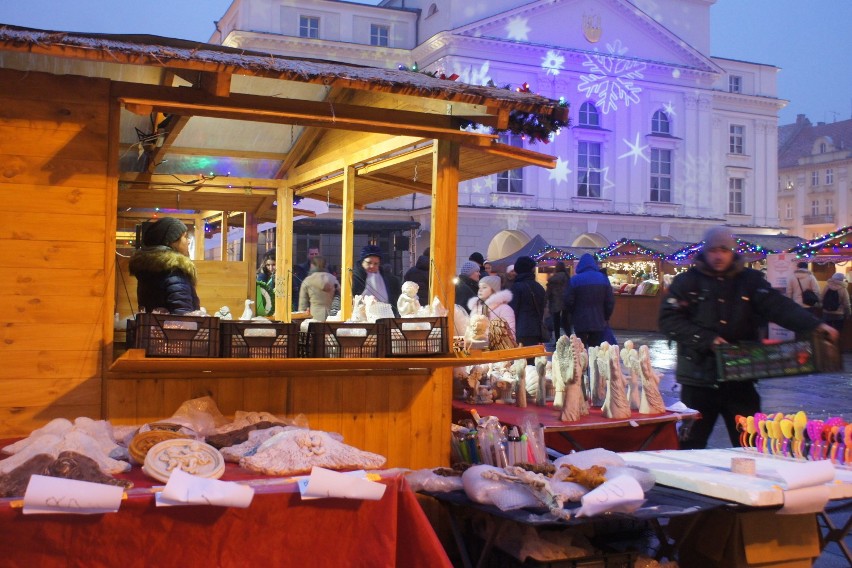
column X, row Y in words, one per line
column 165, row 275
column 590, row 301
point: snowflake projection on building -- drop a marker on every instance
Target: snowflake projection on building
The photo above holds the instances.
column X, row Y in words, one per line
column 552, row 62
column 669, row 108
column 611, row 78
column 473, row 76
column 560, row 172
column 517, row 29
column 637, row 150
column 695, row 177
column 606, row 183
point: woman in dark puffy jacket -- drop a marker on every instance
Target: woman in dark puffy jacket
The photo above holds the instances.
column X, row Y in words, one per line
column 165, row 274
column 419, row 274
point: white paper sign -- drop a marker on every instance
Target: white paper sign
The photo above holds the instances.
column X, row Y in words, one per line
column 50, row 495
column 187, row 489
column 324, row 483
column 796, row 475
column 622, row 494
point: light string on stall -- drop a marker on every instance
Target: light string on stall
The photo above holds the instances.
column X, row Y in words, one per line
column 823, row 244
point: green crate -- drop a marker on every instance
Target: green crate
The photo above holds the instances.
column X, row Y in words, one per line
column 750, row 361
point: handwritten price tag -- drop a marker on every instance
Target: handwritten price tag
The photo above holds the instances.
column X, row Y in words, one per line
column 52, row 495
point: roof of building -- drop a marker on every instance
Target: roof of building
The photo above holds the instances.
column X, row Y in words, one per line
column 796, row 140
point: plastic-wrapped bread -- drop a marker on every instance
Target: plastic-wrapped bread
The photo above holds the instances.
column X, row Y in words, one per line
column 295, row 452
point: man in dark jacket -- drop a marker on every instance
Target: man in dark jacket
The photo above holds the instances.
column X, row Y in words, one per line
column 467, row 284
column 590, row 301
column 528, row 302
column 419, row 274
column 719, row 301
column 369, row 279
column 165, row 275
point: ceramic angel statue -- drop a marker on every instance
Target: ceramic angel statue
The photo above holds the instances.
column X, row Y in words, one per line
column 560, row 373
column 572, row 360
column 601, row 362
column 519, row 370
column 224, row 313
column 359, row 309
column 408, row 305
column 475, row 375
column 616, row 404
column 541, row 376
column 247, row 312
column 504, row 381
column 630, row 358
column 476, row 334
column 652, row 401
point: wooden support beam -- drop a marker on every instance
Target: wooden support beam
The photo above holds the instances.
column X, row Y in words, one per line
column 394, row 181
column 194, row 183
column 250, row 256
column 284, row 254
column 168, row 137
column 216, row 84
column 443, row 239
column 347, row 260
column 183, row 101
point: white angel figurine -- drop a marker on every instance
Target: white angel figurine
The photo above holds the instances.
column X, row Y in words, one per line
column 476, row 335
column 602, row 374
column 224, row 313
column 519, row 370
column 652, row 401
column 616, row 404
column 359, row 309
column 572, row 362
column 560, row 373
column 408, row 304
column 630, row 358
column 247, row 312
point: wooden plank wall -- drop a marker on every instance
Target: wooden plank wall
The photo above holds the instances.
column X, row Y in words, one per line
column 53, row 201
column 220, row 283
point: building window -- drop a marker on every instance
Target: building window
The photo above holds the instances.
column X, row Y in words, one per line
column 735, row 195
column 379, row 35
column 829, row 176
column 661, row 175
column 789, row 211
column 511, row 181
column 814, row 178
column 815, row 207
column 589, row 115
column 589, row 169
column 737, row 139
column 309, row 27
column 829, row 207
column 660, row 123
column 735, row 84
column 823, row 148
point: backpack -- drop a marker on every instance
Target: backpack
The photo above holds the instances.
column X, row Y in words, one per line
column 831, row 300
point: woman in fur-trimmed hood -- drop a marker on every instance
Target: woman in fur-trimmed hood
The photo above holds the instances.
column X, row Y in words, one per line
column 493, row 302
column 165, row 274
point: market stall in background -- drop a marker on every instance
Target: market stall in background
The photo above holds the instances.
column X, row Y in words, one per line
column 639, row 272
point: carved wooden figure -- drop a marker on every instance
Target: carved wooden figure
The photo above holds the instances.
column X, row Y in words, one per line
column 652, row 401
column 616, row 404
column 630, row 358
column 601, row 361
column 519, row 369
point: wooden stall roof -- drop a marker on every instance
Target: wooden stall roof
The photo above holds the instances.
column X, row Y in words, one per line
column 750, row 247
column 835, row 246
column 210, row 127
column 631, row 249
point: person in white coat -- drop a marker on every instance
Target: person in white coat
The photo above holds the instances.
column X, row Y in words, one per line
column 318, row 290
column 802, row 280
column 493, row 302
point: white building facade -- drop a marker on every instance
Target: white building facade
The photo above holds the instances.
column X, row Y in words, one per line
column 664, row 141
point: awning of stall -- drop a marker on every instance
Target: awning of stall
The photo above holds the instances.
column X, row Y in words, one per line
column 835, row 246
column 630, row 249
column 537, row 249
column 206, row 126
column 751, row 247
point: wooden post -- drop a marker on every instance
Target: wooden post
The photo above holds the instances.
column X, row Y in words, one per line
column 347, row 240
column 223, row 252
column 445, row 201
column 284, row 254
column 250, row 255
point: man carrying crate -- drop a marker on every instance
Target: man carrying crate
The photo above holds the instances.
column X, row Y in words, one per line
column 715, row 302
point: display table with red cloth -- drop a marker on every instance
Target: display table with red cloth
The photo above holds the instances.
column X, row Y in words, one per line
column 637, row 433
column 277, row 529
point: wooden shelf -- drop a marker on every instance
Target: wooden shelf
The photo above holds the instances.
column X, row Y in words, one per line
column 133, row 362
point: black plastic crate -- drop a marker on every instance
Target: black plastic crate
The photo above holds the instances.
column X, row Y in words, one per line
column 168, row 335
column 255, row 340
column 750, row 361
column 413, row 337
column 344, row 340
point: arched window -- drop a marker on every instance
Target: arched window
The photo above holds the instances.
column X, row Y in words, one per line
column 660, row 123
column 589, row 115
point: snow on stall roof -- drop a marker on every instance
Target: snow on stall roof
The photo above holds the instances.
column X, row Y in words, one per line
column 161, row 51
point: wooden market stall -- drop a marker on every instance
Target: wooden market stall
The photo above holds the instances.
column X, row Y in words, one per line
column 636, row 270
column 108, row 127
column 752, row 248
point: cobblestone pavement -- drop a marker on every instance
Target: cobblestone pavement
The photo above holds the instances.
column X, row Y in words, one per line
column 820, row 395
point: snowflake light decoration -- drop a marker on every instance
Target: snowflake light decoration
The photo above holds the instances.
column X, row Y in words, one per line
column 611, row 78
column 669, row 108
column 473, row 76
column 636, row 150
column 560, row 172
column 552, row 62
column 517, row 29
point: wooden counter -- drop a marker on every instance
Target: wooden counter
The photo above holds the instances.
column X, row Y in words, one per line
column 397, row 407
column 636, row 313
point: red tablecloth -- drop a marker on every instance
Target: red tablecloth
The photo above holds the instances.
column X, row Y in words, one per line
column 278, row 529
column 639, row 432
